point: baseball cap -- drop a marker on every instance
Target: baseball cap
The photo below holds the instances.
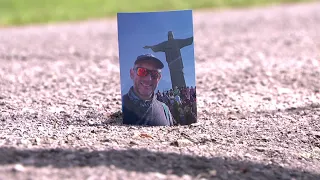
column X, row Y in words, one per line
column 149, row 57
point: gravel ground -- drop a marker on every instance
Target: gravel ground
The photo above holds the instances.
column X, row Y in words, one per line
column 258, row 102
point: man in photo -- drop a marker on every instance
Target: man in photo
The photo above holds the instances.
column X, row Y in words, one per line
column 140, row 105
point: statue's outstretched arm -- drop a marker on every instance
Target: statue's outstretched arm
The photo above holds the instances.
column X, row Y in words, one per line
column 157, row 48
column 185, row 42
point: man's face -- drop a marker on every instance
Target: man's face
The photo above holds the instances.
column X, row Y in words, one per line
column 144, row 86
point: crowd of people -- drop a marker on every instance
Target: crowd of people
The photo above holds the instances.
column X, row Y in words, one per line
column 182, row 102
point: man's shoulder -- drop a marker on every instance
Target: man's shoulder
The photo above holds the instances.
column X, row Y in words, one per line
column 167, row 112
column 125, row 99
column 160, row 103
column 164, row 106
column 126, row 95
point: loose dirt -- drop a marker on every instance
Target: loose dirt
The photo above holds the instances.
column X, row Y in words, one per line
column 258, row 83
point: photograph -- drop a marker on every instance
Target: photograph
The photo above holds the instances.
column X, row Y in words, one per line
column 157, row 68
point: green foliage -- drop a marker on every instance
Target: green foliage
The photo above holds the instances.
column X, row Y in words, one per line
column 18, row 12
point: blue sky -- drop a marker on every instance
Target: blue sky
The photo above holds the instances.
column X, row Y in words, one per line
column 136, row 30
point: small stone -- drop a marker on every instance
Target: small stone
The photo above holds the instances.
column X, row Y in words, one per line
column 260, row 149
column 91, row 122
column 284, row 90
column 202, row 176
column 195, row 124
column 186, row 177
column 316, row 134
column 28, row 110
column 18, row 168
column 181, row 143
column 55, row 109
column 267, row 98
column 315, row 105
column 247, row 155
column 136, row 135
column 133, row 143
column 213, row 172
column 25, row 142
column 145, row 135
column 160, row 176
column 242, row 117
column 41, row 128
column 232, row 117
column 304, row 140
column 36, row 141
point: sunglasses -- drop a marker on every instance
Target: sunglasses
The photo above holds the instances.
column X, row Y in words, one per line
column 142, row 72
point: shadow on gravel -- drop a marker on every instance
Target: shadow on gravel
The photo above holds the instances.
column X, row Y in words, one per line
column 145, row 161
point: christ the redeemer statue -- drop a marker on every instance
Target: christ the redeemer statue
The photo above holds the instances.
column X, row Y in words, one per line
column 171, row 48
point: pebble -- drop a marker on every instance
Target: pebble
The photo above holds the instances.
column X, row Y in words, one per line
column 91, row 122
column 160, row 175
column 36, row 141
column 181, row 143
column 18, row 168
column 186, row 177
column 267, row 98
column 29, row 110
column 41, row 128
column 232, row 117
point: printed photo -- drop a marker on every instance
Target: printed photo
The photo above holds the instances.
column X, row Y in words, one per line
column 157, row 68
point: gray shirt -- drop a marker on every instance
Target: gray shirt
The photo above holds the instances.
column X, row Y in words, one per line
column 145, row 112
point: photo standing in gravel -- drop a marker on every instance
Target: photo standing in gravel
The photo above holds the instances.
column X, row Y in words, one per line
column 157, row 68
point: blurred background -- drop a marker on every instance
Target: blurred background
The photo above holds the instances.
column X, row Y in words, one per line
column 21, row 12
